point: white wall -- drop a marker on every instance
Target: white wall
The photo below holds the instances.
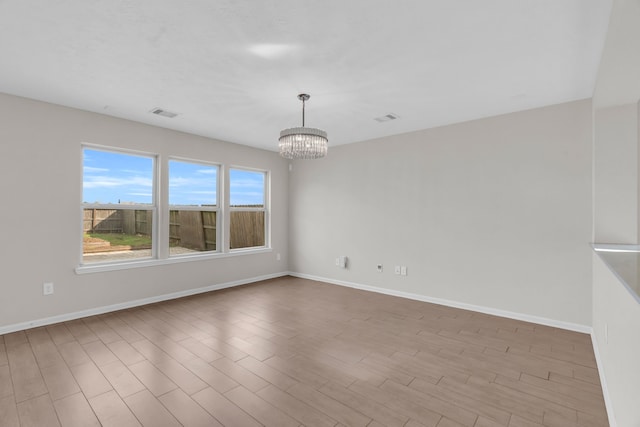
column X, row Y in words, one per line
column 40, row 179
column 616, row 212
column 615, row 171
column 494, row 213
column 615, row 310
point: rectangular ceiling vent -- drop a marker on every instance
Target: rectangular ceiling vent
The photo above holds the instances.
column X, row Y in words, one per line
column 163, row 113
column 386, row 118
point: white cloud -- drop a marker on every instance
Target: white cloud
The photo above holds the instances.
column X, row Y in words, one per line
column 247, row 183
column 211, row 171
column 90, row 169
column 110, row 182
column 179, row 181
column 210, row 193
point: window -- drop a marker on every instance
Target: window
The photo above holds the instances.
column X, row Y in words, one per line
column 247, row 208
column 193, row 207
column 132, row 218
column 118, row 205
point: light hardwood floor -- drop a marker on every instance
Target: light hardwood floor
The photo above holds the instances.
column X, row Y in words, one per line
column 292, row 352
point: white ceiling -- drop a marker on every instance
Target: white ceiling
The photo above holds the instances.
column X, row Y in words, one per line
column 232, row 68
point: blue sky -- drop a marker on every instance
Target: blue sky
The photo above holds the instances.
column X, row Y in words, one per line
column 246, row 187
column 110, row 177
column 192, row 184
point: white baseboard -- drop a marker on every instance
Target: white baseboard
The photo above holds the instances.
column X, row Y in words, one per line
column 129, row 304
column 418, row 297
column 477, row 308
column 605, row 390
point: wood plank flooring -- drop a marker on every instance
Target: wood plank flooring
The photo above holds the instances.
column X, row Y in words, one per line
column 294, row 352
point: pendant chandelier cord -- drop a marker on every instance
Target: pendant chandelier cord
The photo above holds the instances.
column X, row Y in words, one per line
column 303, row 97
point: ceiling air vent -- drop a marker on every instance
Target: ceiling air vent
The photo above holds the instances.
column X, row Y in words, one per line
column 386, row 118
column 163, row 113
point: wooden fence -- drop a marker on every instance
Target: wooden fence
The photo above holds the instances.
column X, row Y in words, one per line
column 246, row 229
column 193, row 229
column 117, row 221
column 190, row 229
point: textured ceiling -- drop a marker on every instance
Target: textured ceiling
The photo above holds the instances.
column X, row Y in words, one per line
column 232, row 69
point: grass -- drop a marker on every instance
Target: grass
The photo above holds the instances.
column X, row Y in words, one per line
column 118, row 239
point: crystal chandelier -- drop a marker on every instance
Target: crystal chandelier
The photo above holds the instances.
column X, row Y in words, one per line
column 303, row 142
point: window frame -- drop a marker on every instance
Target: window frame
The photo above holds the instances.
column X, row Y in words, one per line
column 153, row 206
column 161, row 213
column 265, row 208
column 217, row 208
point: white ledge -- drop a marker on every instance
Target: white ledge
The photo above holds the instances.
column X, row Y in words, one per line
column 125, row 265
column 614, row 247
column 624, row 262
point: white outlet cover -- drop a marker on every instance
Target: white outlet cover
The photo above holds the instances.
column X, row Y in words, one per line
column 47, row 288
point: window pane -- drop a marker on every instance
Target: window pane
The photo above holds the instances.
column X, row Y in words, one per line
column 247, row 229
column 116, row 235
column 192, row 184
column 112, row 178
column 247, row 188
column 191, row 231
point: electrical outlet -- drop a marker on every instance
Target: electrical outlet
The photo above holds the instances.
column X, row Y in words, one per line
column 379, row 268
column 47, row 288
column 342, row 261
column 403, row 270
column 277, row 257
column 396, row 269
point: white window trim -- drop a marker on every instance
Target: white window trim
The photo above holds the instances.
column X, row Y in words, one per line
column 126, row 265
column 266, row 209
column 217, row 209
column 160, row 210
column 153, row 206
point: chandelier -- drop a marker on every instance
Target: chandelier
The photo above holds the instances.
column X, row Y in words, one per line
column 303, row 142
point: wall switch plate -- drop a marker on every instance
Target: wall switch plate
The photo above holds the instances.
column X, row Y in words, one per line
column 396, row 269
column 403, row 270
column 379, row 267
column 47, row 288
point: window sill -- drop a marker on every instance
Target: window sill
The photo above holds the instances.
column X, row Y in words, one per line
column 101, row 267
